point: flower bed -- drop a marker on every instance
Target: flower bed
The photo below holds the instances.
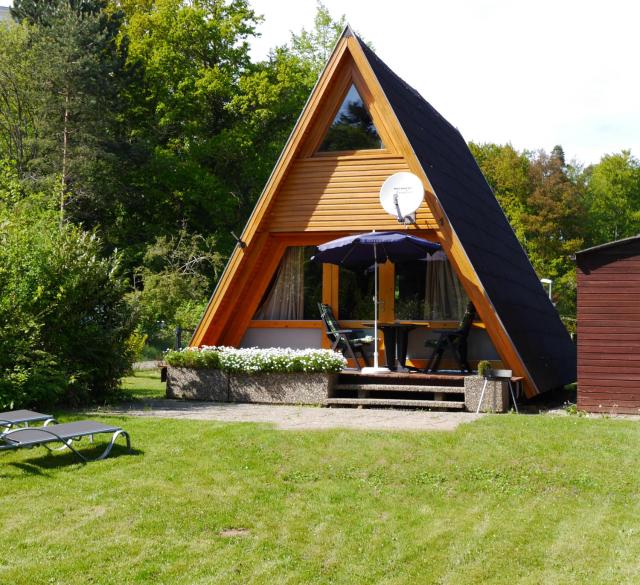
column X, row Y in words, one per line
column 285, row 376
column 253, row 360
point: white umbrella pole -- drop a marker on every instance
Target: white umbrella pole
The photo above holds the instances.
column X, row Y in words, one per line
column 375, row 308
column 376, row 369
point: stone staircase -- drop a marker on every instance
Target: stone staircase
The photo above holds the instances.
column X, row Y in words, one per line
column 400, row 390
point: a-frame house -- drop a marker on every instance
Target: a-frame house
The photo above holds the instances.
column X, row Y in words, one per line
column 320, row 190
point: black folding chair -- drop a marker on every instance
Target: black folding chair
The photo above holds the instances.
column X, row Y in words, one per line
column 455, row 340
column 347, row 341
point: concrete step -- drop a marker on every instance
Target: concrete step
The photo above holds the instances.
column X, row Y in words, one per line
column 400, row 388
column 392, row 402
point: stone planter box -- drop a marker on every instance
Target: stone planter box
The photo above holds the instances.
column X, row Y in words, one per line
column 267, row 387
column 197, row 384
column 496, row 395
column 293, row 388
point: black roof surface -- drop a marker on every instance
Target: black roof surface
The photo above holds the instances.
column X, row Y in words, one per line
column 591, row 259
column 502, row 266
column 615, row 244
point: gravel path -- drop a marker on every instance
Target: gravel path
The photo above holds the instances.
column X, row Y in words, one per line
column 298, row 417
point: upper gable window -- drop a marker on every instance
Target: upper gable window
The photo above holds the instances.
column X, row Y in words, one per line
column 352, row 128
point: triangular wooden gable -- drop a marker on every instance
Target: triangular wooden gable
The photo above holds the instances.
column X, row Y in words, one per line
column 328, row 191
column 312, row 197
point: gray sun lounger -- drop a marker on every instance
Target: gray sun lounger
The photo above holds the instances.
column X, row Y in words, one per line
column 16, row 418
column 65, row 433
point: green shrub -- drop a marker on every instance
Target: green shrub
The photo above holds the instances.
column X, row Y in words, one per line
column 175, row 282
column 64, row 324
column 193, row 358
column 135, row 344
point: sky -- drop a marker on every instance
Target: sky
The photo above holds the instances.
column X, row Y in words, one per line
column 534, row 74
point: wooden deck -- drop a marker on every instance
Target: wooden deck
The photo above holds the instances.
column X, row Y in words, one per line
column 405, row 378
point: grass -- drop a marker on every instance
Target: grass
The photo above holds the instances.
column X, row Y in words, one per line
column 144, row 385
column 508, row 499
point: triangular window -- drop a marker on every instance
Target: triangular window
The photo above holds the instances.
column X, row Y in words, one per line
column 352, row 128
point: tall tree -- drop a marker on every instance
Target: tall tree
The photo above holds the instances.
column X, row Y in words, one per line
column 191, row 58
column 554, row 225
column 508, row 174
column 613, row 197
column 74, row 76
column 45, row 12
column 314, row 46
column 20, row 123
column 543, row 198
column 556, row 213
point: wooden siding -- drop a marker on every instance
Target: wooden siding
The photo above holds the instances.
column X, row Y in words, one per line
column 339, row 193
column 609, row 331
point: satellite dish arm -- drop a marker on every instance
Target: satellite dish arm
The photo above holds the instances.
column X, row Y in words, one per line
column 403, row 219
column 395, row 202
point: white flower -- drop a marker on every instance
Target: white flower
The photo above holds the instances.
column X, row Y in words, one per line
column 253, row 359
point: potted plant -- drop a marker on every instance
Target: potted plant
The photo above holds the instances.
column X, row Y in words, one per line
column 485, row 368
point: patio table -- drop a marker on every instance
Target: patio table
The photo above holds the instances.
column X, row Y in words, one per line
column 396, row 338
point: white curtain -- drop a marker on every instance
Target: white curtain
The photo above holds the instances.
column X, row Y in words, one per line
column 445, row 299
column 285, row 300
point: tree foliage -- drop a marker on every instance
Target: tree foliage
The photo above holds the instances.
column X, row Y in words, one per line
column 64, row 324
column 613, row 197
column 507, row 172
column 557, row 208
column 191, row 58
column 314, row 46
column 20, row 121
column 173, row 280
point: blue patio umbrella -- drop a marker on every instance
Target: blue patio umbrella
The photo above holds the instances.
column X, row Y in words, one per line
column 374, row 248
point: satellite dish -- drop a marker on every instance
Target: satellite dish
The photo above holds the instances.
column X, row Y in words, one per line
column 401, row 195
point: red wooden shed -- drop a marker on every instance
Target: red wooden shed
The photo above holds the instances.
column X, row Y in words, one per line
column 609, row 327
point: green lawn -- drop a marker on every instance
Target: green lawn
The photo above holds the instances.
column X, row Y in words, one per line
column 508, row 499
column 144, row 384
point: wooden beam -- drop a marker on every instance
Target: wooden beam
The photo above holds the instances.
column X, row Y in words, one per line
column 251, row 290
column 280, row 324
column 386, row 291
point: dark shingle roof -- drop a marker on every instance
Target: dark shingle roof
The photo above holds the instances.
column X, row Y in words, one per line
column 473, row 212
column 615, row 244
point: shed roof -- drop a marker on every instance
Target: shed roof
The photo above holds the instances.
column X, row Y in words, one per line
column 615, row 244
column 518, row 298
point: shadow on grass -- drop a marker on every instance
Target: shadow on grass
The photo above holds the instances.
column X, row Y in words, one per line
column 50, row 461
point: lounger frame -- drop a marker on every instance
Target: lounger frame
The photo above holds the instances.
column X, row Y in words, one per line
column 30, row 416
column 49, row 435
